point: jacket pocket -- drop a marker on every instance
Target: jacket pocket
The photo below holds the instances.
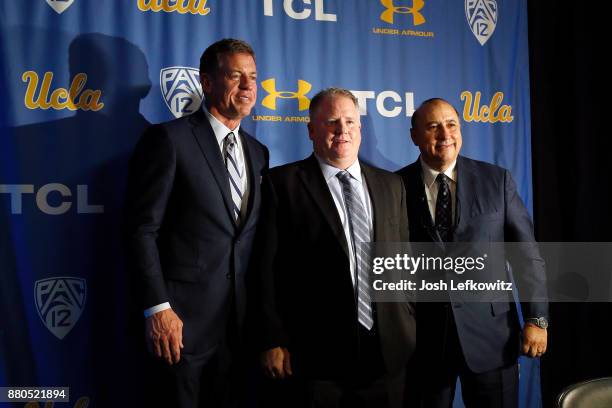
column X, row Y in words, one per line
column 499, row 308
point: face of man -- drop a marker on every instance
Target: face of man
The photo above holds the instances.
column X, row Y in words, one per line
column 437, row 134
column 335, row 131
column 232, row 91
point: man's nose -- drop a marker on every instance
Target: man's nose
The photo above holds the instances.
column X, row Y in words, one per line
column 444, row 133
column 246, row 82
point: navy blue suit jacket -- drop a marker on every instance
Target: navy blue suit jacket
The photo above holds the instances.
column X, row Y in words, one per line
column 488, row 209
column 184, row 243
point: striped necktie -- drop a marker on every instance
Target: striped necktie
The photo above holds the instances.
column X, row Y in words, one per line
column 234, row 173
column 360, row 232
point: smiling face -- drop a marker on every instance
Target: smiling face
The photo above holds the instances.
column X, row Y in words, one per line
column 437, row 133
column 231, row 91
column 335, row 131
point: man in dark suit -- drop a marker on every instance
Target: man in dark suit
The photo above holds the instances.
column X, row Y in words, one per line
column 193, row 205
column 455, row 199
column 319, row 323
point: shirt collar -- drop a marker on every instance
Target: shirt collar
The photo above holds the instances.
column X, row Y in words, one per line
column 219, row 129
column 429, row 174
column 330, row 171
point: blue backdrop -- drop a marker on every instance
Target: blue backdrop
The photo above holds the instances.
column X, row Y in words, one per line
column 80, row 80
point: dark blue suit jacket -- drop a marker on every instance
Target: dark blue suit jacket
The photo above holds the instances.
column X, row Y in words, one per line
column 184, row 243
column 488, row 209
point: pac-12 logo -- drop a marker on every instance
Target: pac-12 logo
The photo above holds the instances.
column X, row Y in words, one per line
column 60, row 5
column 181, row 89
column 60, row 302
column 482, row 18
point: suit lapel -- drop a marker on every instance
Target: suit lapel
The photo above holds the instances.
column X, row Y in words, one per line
column 252, row 174
column 377, row 192
column 466, row 197
column 205, row 138
column 312, row 178
column 426, row 220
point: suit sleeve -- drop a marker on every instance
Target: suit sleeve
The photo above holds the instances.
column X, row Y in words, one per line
column 271, row 331
column 404, row 228
column 527, row 264
column 151, row 176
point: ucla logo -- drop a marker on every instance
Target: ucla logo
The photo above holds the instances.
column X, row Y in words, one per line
column 495, row 111
column 269, row 85
column 59, row 302
column 391, row 9
column 482, row 18
column 181, row 89
column 60, row 5
column 179, row 6
column 74, row 98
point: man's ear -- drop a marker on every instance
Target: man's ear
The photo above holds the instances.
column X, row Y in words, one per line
column 413, row 136
column 310, row 130
column 206, row 82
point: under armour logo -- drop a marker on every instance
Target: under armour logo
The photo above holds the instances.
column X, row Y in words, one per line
column 391, row 9
column 269, row 85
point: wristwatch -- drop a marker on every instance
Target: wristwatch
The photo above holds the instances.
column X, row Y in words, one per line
column 541, row 322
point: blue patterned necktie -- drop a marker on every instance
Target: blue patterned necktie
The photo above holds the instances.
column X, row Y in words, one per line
column 229, row 148
column 360, row 232
column 444, row 209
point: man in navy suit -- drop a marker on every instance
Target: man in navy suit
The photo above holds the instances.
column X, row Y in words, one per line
column 193, row 206
column 455, row 199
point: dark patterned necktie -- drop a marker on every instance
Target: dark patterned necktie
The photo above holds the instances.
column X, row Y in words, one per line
column 444, row 209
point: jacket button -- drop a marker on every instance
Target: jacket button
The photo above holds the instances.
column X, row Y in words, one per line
column 228, row 276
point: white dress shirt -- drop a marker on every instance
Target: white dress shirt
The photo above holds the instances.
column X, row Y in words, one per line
column 335, row 188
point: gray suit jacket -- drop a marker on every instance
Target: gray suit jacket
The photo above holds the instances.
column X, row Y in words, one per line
column 488, row 209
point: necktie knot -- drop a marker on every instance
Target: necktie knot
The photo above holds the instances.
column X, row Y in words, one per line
column 441, row 178
column 230, row 141
column 344, row 176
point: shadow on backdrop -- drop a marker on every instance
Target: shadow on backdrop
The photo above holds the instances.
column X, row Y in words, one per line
column 88, row 154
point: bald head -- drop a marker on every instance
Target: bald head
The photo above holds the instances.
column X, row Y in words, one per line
column 436, row 131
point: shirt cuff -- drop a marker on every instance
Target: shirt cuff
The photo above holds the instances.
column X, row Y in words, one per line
column 158, row 308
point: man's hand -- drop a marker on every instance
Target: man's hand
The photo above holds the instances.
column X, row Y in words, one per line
column 276, row 363
column 164, row 333
column 534, row 340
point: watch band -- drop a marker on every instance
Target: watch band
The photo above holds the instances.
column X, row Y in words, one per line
column 541, row 322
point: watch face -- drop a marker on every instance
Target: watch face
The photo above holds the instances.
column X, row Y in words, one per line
column 541, row 322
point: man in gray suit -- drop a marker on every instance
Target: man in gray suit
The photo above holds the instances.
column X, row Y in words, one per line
column 452, row 198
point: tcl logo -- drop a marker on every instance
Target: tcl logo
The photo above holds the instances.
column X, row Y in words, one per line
column 301, row 9
column 51, row 199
